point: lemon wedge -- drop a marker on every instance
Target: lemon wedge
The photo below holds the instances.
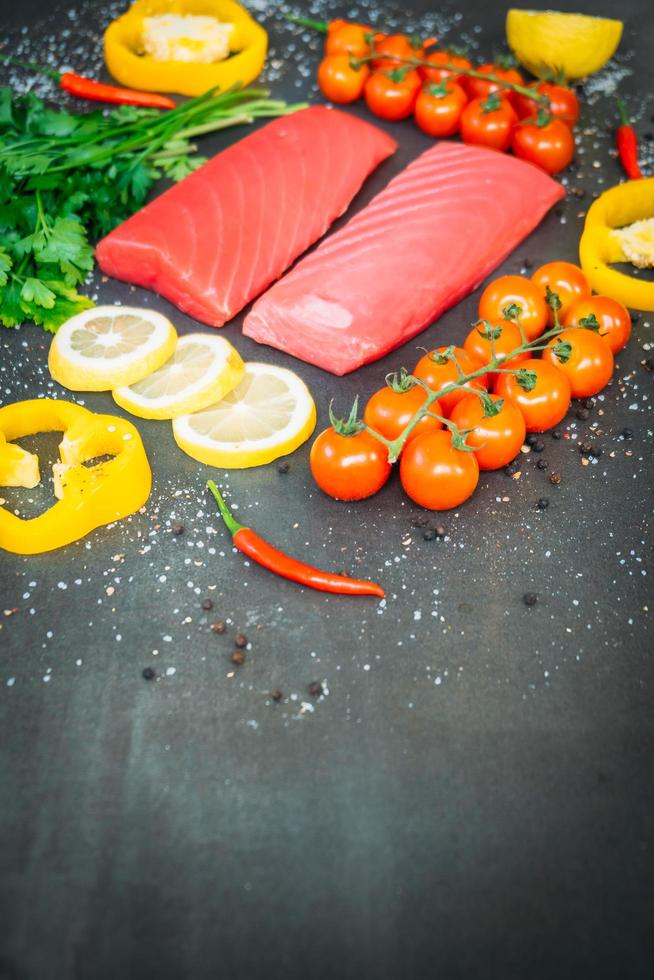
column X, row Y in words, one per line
column 110, row 346
column 201, row 371
column 269, row 414
column 574, row 44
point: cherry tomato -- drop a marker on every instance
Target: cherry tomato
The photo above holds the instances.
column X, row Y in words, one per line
column 506, row 338
column 392, row 95
column 613, row 319
column 435, row 474
column 390, row 411
column 437, row 369
column 440, row 58
column 563, row 103
column 508, row 290
column 392, row 47
column 339, row 81
column 497, row 438
column 587, row 362
column 566, row 280
column 480, row 88
column 542, row 406
column 438, row 108
column 550, row 146
column 349, row 467
column 488, row 122
column 350, row 39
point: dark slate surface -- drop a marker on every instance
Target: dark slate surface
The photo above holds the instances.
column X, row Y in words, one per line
column 470, row 797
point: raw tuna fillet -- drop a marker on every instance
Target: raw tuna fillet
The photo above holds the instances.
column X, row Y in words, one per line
column 429, row 238
column 214, row 241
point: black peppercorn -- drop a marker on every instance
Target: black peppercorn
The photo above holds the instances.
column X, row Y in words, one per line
column 531, row 439
column 429, row 534
column 543, row 503
column 530, row 598
column 542, row 464
column 556, row 434
column 177, row 529
column 207, row 604
column 627, row 434
column 148, row 674
column 582, row 414
column 241, row 640
column 276, row 694
column 315, row 689
column 538, row 447
column 284, row 467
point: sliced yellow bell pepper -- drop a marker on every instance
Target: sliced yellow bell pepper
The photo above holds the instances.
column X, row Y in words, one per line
column 89, row 496
column 123, row 46
column 619, row 206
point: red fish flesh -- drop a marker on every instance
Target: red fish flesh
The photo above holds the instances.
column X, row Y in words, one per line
column 428, row 239
column 214, row 241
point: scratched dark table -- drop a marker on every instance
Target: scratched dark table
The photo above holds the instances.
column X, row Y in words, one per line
column 471, row 794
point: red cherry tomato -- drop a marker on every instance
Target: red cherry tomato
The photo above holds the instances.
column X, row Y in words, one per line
column 480, row 88
column 585, row 359
column 438, row 108
column 509, row 290
column 612, row 318
column 550, row 146
column 505, row 338
column 389, row 412
column 349, row 467
column 435, row 474
column 488, row 122
column 496, row 438
column 563, row 103
column 339, row 81
column 438, row 72
column 543, row 405
column 392, row 47
column 392, row 95
column 349, row 39
column 438, row 369
column 566, row 280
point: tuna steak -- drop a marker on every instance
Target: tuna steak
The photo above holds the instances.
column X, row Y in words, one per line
column 214, row 241
column 428, row 239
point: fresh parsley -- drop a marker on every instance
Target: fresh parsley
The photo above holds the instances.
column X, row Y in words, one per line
column 66, row 180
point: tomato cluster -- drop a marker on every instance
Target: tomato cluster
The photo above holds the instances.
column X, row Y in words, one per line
column 481, row 424
column 400, row 76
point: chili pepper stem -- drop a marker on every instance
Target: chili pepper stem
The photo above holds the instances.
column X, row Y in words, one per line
column 8, row 59
column 315, row 25
column 622, row 111
column 230, row 521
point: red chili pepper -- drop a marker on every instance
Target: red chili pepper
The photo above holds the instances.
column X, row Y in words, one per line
column 627, row 143
column 87, row 88
column 249, row 542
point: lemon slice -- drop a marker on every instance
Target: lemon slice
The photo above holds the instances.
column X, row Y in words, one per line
column 269, row 414
column 201, row 371
column 110, row 346
column 574, row 44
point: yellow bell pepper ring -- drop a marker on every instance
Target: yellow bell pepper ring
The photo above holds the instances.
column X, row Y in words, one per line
column 615, row 208
column 89, row 496
column 125, row 61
